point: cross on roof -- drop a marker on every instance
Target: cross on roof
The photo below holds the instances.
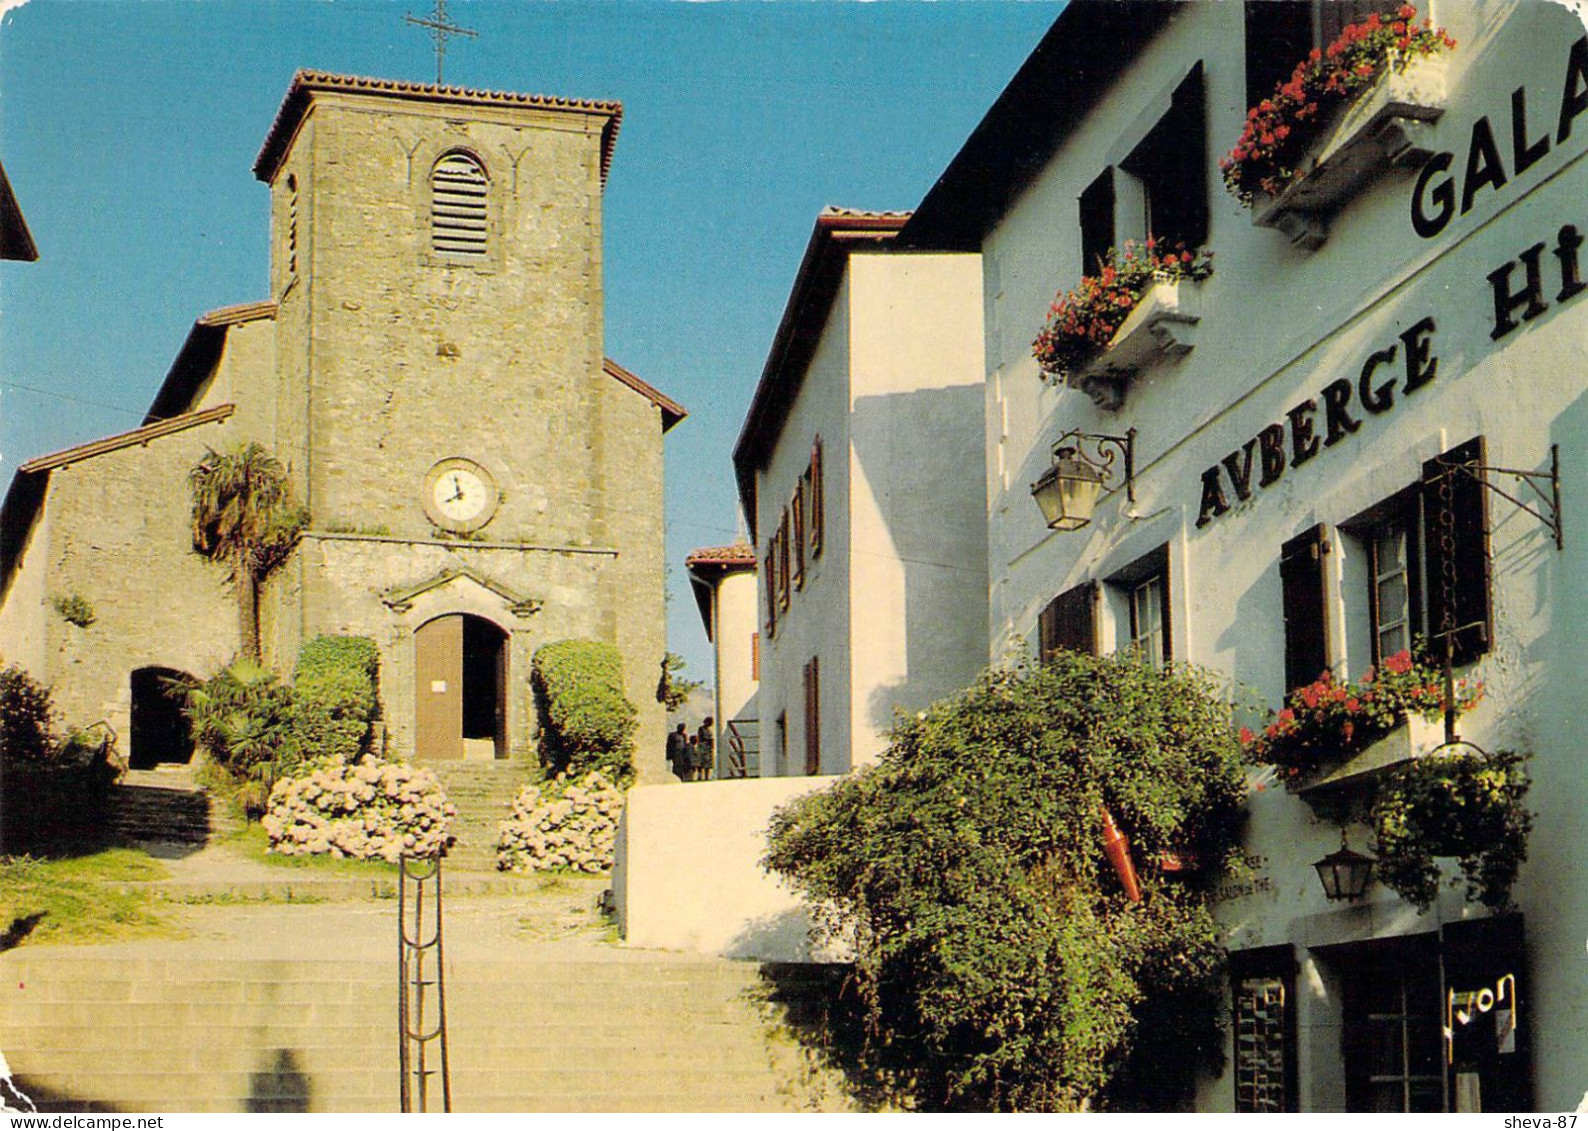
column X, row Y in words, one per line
column 441, row 29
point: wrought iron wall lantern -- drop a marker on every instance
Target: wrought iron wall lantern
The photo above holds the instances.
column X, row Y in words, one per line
column 1545, row 486
column 1083, row 466
column 1345, row 873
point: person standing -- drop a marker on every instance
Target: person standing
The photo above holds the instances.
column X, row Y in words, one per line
column 678, row 753
column 705, row 751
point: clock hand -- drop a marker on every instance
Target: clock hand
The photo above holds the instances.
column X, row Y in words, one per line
column 457, row 487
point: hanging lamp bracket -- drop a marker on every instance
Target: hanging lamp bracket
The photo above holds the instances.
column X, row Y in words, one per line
column 1544, row 502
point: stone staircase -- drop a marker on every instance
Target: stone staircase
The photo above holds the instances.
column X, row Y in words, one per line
column 483, row 793
column 164, row 805
column 630, row 1032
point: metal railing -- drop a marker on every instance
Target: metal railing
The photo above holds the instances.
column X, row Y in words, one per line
column 744, row 749
column 415, row 990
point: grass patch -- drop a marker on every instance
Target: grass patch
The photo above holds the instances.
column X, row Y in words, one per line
column 254, row 842
column 77, row 900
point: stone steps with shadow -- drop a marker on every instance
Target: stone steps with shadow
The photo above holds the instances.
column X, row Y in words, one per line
column 537, row 1032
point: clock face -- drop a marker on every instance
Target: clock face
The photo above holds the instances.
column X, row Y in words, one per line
column 459, row 495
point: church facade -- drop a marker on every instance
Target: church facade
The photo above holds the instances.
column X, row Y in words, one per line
column 429, row 368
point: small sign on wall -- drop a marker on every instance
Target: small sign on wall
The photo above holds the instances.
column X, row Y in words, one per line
column 438, row 686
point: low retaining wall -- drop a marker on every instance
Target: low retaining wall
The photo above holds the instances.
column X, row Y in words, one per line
column 688, row 874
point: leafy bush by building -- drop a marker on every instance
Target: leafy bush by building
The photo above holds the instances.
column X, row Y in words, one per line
column 26, row 718
column 368, row 811
column 244, row 718
column 52, row 788
column 1002, row 965
column 586, row 722
column 258, row 729
column 565, row 824
column 335, row 690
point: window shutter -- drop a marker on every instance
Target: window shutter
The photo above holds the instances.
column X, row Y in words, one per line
column 771, row 587
column 782, row 561
column 817, row 519
column 1462, row 566
column 813, row 717
column 457, row 207
column 799, row 534
column 1070, row 621
column 1303, row 581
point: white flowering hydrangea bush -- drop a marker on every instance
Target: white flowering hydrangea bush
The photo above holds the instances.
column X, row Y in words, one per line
column 564, row 824
column 369, row 810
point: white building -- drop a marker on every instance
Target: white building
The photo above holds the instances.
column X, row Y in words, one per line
column 1424, row 301
column 852, row 466
column 723, row 581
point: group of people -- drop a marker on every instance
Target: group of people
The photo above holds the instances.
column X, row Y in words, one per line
column 692, row 758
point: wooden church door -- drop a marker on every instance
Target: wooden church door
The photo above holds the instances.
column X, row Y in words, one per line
column 438, row 689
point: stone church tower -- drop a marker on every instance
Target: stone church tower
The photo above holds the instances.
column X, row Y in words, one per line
column 481, row 479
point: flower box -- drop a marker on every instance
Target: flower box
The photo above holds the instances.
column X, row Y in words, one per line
column 1413, row 738
column 1386, row 126
column 1162, row 327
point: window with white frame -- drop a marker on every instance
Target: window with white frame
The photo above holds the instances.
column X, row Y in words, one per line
column 1138, row 601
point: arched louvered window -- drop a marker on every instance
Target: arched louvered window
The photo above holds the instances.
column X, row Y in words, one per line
column 458, row 222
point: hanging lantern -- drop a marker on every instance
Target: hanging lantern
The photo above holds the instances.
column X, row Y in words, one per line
column 1345, row 874
column 1067, row 492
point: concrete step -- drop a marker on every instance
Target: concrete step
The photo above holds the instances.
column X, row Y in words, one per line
column 618, row 1032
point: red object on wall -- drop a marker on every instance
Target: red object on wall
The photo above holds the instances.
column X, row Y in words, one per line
column 1116, row 846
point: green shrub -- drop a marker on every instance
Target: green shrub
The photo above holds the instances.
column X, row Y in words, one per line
column 52, row 789
column 335, row 696
column 245, row 719
column 26, row 715
column 1002, row 966
column 586, row 722
column 337, row 654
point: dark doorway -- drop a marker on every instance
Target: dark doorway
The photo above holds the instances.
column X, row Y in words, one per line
column 461, row 693
column 160, row 732
column 484, row 681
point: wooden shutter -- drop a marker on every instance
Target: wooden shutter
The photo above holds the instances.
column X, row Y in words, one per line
column 782, row 561
column 817, row 518
column 1070, row 621
column 755, row 656
column 813, row 717
column 771, row 587
column 1303, row 581
column 1462, row 564
column 799, row 534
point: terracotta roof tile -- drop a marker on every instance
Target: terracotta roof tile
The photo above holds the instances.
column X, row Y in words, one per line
column 296, row 103
column 740, row 553
column 125, row 439
column 240, row 312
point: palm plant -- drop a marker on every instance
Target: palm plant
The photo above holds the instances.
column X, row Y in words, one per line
column 244, row 517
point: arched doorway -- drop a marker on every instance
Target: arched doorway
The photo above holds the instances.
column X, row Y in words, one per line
column 159, row 732
column 460, row 692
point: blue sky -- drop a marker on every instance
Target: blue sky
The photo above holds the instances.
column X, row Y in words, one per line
column 128, row 129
